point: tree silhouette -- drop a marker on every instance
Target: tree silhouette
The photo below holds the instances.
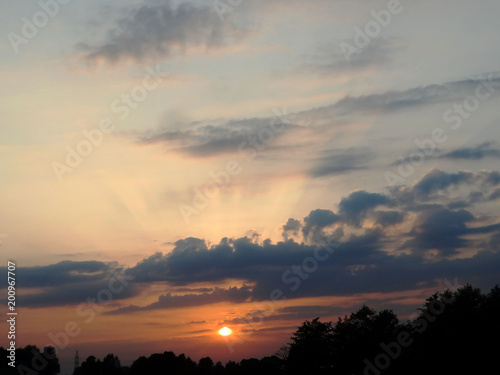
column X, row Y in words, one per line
column 232, row 368
column 283, row 352
column 455, row 333
column 90, row 366
column 311, row 348
column 205, row 366
column 218, row 369
column 30, row 360
column 359, row 336
column 166, row 362
column 111, row 365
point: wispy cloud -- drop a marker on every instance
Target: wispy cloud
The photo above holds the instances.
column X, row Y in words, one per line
column 169, row 301
column 161, row 30
column 479, row 152
column 331, row 60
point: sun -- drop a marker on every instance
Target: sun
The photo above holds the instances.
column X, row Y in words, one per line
column 224, row 331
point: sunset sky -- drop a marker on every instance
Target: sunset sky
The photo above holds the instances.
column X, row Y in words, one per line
column 182, row 163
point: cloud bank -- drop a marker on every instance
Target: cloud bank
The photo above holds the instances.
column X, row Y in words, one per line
column 404, row 239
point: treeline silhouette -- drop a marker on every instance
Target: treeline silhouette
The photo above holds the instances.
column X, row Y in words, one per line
column 454, row 332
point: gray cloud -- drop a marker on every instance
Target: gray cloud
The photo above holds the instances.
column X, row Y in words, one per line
column 354, row 207
column 161, row 30
column 237, row 135
column 61, row 295
column 291, row 228
column 437, row 183
column 67, row 272
column 495, row 194
column 169, row 301
column 388, row 218
column 70, row 283
column 341, row 162
column 231, row 137
column 437, row 180
column 372, row 272
column 484, row 150
column 316, row 221
column 391, row 101
column 419, row 96
column 331, row 60
column 440, row 229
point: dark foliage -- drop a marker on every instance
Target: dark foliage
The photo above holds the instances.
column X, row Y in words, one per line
column 30, row 360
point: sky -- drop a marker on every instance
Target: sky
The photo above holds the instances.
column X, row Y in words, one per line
column 174, row 167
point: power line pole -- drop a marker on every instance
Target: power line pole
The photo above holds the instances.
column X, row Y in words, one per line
column 77, row 360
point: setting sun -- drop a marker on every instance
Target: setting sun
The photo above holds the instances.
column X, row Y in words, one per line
column 224, row 331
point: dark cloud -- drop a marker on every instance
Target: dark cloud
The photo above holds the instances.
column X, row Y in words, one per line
column 169, row 301
column 435, row 187
column 440, row 229
column 492, row 244
column 491, row 178
column 67, row 272
column 341, row 162
column 437, row 180
column 79, row 293
column 341, row 253
column 192, row 290
column 291, row 228
column 70, row 283
column 479, row 152
column 316, row 221
column 357, row 265
column 437, row 184
column 234, row 136
column 494, row 195
column 382, row 273
column 153, row 31
column 484, row 150
column 388, row 218
column 414, row 97
column 191, row 260
column 391, row 101
column 355, row 207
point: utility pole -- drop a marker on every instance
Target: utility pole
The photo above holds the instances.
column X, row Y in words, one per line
column 77, row 360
